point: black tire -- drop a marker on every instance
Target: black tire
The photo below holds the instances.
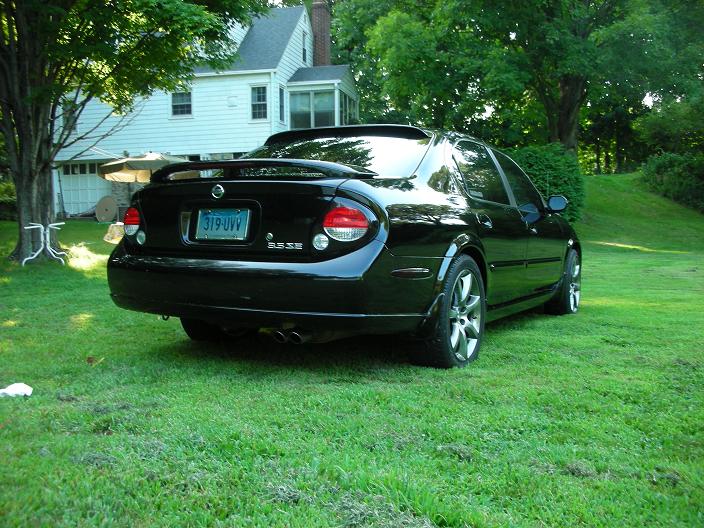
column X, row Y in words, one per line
column 199, row 330
column 566, row 300
column 460, row 320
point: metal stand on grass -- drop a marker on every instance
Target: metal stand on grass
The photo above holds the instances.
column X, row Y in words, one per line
column 45, row 241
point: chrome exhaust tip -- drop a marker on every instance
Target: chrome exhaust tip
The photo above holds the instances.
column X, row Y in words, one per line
column 279, row 336
column 298, row 338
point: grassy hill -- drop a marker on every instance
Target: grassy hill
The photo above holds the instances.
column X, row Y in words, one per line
column 592, row 420
column 619, row 210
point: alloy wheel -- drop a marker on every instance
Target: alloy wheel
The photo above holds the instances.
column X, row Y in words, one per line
column 465, row 314
column 575, row 286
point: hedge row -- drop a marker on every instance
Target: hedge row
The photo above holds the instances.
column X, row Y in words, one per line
column 679, row 177
column 553, row 170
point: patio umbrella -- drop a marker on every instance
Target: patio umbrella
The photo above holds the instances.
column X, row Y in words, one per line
column 138, row 168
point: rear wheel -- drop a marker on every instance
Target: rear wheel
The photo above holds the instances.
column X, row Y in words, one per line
column 566, row 300
column 460, row 327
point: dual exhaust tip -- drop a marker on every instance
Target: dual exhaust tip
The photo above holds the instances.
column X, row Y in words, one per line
column 290, row 336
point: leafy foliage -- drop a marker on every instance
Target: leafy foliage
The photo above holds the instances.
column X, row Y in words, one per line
column 520, row 73
column 676, row 126
column 617, row 132
column 554, row 170
column 7, row 201
column 677, row 176
column 56, row 56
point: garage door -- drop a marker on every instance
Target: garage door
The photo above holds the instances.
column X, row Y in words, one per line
column 82, row 187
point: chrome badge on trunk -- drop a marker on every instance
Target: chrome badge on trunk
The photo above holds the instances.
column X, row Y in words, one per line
column 285, row 245
column 270, row 244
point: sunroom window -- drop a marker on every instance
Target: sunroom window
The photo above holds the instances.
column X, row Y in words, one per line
column 312, row 109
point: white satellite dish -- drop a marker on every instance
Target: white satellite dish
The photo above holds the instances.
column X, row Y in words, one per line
column 106, row 209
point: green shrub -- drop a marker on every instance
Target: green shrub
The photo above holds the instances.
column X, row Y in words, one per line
column 8, row 209
column 553, row 170
column 679, row 177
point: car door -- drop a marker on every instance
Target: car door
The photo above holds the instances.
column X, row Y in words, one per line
column 499, row 225
column 546, row 240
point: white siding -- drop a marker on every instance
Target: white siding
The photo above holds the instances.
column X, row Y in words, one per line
column 292, row 60
column 347, row 85
column 238, row 32
column 312, row 87
column 220, row 121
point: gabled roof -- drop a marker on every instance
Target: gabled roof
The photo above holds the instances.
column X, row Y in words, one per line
column 320, row 73
column 265, row 42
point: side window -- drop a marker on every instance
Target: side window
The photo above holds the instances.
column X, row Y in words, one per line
column 523, row 189
column 481, row 177
column 258, row 102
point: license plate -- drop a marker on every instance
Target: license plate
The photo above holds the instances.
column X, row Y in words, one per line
column 222, row 224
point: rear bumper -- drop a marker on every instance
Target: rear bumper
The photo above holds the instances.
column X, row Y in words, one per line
column 354, row 293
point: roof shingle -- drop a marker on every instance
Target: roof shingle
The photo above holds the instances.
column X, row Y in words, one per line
column 320, row 73
column 265, row 42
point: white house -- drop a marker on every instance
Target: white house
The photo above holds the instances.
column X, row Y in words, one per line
column 281, row 79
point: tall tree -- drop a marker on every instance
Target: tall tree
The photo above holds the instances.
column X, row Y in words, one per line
column 58, row 55
column 504, row 63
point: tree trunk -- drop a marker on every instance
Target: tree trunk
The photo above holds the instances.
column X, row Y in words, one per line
column 607, row 160
column 572, row 95
column 597, row 150
column 34, row 204
column 618, row 153
column 562, row 112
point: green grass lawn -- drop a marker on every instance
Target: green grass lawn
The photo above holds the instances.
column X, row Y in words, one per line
column 595, row 419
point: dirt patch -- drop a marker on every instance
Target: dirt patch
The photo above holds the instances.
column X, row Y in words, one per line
column 373, row 511
column 580, row 469
column 458, row 451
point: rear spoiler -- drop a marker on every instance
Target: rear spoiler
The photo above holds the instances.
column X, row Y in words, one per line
column 397, row 131
column 325, row 167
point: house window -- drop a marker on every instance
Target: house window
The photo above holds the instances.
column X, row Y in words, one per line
column 348, row 109
column 282, row 100
column 300, row 110
column 181, row 104
column 259, row 102
column 78, row 169
column 312, row 109
column 303, row 49
column 324, row 109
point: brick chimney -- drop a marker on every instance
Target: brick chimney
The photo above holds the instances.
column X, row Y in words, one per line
column 320, row 20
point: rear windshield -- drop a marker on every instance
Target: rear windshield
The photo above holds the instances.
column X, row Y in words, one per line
column 386, row 156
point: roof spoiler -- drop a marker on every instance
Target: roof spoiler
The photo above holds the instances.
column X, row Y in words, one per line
column 325, row 167
column 397, row 131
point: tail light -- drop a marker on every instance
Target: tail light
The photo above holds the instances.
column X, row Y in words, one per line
column 131, row 221
column 345, row 224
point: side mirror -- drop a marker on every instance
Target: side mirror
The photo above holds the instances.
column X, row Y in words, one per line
column 530, row 212
column 557, row 204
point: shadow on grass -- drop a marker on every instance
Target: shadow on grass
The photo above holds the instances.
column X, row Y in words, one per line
column 357, row 353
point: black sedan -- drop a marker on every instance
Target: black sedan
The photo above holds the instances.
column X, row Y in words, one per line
column 331, row 232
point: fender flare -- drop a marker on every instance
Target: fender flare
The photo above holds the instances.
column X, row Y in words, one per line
column 464, row 244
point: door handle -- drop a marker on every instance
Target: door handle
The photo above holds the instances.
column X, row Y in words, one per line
column 484, row 220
